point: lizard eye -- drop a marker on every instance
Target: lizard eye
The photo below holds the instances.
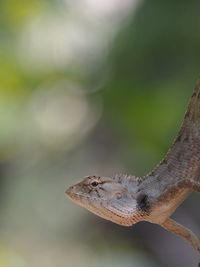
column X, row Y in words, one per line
column 94, row 184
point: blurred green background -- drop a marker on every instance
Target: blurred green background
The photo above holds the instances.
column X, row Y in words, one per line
column 90, row 87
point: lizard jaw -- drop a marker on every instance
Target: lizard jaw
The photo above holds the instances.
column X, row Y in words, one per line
column 103, row 210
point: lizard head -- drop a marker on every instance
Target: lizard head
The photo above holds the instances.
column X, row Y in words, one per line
column 114, row 199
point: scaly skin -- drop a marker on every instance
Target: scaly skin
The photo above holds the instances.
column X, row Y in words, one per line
column 126, row 200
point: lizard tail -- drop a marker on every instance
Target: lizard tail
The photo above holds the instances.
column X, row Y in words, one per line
column 191, row 122
column 183, row 158
column 192, row 114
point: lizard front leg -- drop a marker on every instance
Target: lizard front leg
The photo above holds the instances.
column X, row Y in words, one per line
column 179, row 229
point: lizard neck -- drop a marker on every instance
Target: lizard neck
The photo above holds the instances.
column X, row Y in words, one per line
column 153, row 188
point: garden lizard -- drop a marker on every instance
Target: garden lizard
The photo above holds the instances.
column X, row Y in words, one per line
column 126, row 199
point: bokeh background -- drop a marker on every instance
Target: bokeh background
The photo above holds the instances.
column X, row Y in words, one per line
column 90, row 87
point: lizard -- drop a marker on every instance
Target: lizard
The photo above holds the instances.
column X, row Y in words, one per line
column 126, row 199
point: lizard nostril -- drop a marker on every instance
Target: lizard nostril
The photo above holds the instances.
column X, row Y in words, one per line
column 69, row 190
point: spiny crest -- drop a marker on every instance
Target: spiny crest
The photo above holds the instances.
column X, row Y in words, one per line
column 125, row 177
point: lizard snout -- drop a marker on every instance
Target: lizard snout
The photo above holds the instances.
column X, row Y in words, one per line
column 69, row 190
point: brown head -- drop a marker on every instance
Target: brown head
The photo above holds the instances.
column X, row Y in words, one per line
column 114, row 199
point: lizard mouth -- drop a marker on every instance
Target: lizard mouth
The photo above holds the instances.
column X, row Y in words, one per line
column 78, row 198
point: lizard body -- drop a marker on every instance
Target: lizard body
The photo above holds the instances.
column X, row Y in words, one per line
column 127, row 200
